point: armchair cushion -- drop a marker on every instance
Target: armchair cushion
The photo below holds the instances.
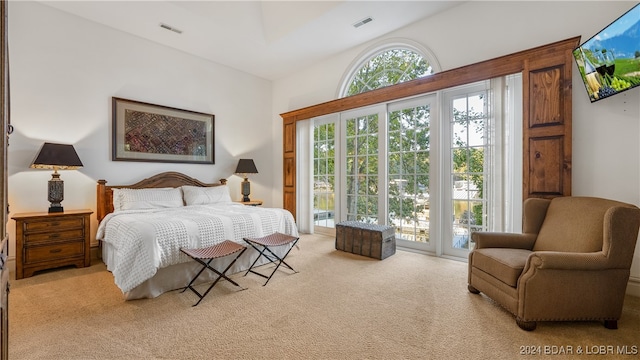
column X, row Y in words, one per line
column 580, row 219
column 504, row 264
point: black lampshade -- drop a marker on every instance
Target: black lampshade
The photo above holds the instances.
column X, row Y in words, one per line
column 56, row 157
column 246, row 166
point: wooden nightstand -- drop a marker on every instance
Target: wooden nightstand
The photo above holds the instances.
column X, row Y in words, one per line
column 250, row 203
column 50, row 240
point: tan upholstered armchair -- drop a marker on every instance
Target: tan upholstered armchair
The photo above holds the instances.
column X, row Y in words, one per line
column 570, row 263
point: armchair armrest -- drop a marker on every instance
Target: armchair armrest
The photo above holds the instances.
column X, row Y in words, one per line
column 568, row 261
column 503, row 240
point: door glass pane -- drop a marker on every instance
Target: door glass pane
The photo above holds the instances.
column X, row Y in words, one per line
column 362, row 168
column 408, row 168
column 469, row 146
column 324, row 175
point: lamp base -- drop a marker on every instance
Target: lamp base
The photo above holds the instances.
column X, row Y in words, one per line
column 56, row 209
column 246, row 190
column 55, row 193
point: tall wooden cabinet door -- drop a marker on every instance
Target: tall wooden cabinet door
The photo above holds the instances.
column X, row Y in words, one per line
column 547, row 126
column 289, row 165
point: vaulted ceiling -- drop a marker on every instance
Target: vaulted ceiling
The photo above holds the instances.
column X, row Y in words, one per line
column 269, row 39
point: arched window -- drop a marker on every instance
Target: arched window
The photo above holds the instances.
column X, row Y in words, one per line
column 389, row 64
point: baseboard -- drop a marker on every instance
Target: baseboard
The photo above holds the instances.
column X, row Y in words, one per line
column 633, row 286
column 95, row 254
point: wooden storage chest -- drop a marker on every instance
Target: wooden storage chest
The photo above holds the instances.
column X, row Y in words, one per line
column 372, row 240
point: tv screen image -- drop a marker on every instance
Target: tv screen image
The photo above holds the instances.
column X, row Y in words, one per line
column 609, row 62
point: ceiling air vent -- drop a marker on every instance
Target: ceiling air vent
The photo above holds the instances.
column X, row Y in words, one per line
column 362, row 22
column 171, row 28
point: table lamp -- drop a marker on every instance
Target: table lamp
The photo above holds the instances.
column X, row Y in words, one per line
column 246, row 166
column 56, row 157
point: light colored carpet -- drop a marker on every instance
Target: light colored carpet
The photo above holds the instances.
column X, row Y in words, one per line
column 339, row 306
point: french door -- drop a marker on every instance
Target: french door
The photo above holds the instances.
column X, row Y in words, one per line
column 383, row 169
column 467, row 128
column 410, row 158
column 324, row 173
column 362, row 145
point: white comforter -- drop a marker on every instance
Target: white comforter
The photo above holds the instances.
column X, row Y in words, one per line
column 146, row 240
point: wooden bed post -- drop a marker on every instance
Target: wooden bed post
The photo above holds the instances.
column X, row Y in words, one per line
column 101, row 195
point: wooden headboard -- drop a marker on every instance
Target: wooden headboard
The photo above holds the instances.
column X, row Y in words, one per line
column 162, row 180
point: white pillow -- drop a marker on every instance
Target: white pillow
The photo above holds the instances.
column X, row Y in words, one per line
column 136, row 199
column 195, row 195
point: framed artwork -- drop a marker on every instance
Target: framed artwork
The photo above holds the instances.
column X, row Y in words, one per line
column 148, row 132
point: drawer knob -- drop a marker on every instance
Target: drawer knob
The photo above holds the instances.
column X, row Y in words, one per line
column 55, row 251
column 55, row 223
column 54, row 236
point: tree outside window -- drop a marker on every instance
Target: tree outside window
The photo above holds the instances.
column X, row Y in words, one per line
column 389, row 68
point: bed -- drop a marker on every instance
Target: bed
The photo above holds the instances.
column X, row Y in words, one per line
column 142, row 227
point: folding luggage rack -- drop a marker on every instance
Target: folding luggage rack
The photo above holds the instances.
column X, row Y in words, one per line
column 211, row 253
column 263, row 245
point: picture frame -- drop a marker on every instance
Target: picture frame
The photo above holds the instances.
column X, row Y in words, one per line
column 155, row 133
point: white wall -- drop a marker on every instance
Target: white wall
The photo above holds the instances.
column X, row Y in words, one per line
column 64, row 71
column 606, row 152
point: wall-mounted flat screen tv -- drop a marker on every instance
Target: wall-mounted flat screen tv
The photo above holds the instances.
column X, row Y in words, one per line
column 609, row 62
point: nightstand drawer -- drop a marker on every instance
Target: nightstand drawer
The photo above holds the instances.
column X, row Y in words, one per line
column 53, row 236
column 53, row 225
column 34, row 254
